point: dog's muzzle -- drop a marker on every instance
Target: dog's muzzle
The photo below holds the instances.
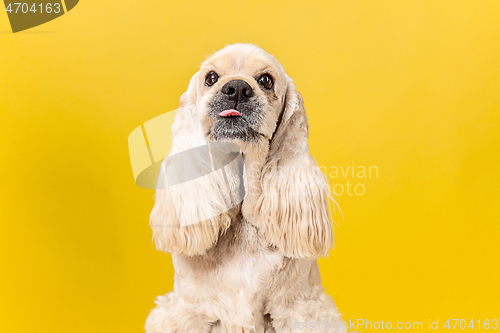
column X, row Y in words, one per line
column 237, row 91
column 236, row 112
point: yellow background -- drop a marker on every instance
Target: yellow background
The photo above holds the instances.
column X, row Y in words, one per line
column 412, row 87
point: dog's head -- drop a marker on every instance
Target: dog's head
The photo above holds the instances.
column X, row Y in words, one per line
column 239, row 93
column 243, row 92
column 242, row 95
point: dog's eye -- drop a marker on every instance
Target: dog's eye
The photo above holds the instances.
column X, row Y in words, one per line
column 266, row 81
column 211, row 78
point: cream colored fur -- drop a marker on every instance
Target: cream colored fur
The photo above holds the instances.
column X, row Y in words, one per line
column 252, row 268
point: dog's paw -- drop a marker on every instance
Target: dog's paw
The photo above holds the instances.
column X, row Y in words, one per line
column 171, row 315
column 158, row 319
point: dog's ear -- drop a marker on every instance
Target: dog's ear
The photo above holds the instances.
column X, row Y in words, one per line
column 191, row 209
column 292, row 208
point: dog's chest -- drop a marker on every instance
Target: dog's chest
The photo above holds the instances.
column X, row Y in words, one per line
column 238, row 269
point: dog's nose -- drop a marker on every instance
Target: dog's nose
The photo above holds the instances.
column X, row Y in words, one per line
column 237, row 90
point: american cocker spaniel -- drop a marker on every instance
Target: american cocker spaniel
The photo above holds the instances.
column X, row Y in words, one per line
column 242, row 206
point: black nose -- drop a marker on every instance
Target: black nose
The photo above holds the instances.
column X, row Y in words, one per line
column 237, row 90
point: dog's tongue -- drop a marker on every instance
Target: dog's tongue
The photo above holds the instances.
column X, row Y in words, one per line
column 228, row 113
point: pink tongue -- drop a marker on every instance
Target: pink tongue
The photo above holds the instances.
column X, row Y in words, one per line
column 228, row 113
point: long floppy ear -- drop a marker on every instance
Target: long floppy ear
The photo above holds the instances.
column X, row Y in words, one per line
column 191, row 209
column 292, row 208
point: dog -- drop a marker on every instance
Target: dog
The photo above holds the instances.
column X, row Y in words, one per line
column 252, row 266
